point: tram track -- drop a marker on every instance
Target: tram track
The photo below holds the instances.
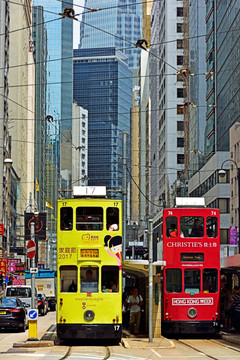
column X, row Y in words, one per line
column 69, row 352
column 204, row 352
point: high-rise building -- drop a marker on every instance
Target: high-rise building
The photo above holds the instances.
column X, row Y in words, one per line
column 227, row 45
column 40, row 57
column 210, row 129
column 58, row 94
column 197, row 93
column 21, row 102
column 4, row 143
column 167, row 99
column 103, row 86
column 122, row 18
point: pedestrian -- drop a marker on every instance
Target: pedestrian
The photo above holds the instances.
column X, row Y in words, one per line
column 134, row 302
column 126, row 308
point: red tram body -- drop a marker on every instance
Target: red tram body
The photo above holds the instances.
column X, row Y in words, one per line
column 191, row 278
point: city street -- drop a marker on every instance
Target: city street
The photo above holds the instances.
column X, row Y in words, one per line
column 130, row 349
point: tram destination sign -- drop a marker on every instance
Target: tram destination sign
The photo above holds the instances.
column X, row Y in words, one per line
column 187, row 301
column 89, row 253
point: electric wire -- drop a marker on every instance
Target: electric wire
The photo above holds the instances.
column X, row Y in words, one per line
column 59, row 131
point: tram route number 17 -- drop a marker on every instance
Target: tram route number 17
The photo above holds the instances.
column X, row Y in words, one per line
column 116, row 327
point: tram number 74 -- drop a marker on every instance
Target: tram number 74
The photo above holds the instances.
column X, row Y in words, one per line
column 116, row 327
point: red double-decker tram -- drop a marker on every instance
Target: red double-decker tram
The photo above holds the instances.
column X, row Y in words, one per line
column 191, row 278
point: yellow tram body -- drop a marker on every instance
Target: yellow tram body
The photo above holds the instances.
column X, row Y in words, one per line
column 89, row 271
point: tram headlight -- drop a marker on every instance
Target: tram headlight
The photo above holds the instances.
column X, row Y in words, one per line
column 192, row 313
column 89, row 315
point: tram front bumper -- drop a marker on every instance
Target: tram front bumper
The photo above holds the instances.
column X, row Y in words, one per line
column 87, row 331
column 190, row 327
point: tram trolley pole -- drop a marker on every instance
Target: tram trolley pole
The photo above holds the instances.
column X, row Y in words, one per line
column 150, row 281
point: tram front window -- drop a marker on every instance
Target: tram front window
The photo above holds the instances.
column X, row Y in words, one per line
column 66, row 218
column 89, row 218
column 192, row 281
column 171, row 227
column 110, row 279
column 112, row 219
column 192, row 226
column 212, row 230
column 89, row 279
column 173, row 280
column 210, row 280
column 68, row 278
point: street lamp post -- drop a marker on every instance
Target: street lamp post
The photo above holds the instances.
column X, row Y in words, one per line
column 222, row 173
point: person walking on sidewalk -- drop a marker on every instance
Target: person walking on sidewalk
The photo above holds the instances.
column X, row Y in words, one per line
column 134, row 302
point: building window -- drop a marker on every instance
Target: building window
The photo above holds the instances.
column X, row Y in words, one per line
column 180, row 158
column 179, row 60
column 180, row 126
column 223, row 205
column 179, row 109
column 179, row 44
column 179, row 27
column 180, row 142
column 179, row 11
column 180, row 93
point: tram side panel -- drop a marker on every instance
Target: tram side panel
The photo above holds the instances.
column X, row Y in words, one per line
column 89, row 309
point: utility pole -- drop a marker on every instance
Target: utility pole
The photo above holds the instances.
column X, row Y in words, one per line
column 150, row 280
column 33, row 266
column 124, row 192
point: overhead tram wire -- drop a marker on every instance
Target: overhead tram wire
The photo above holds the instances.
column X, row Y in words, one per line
column 27, row 27
column 58, row 130
column 44, row 10
column 141, row 190
column 112, row 113
column 128, row 41
column 107, row 8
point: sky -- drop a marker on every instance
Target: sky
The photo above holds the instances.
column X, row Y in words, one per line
column 76, row 24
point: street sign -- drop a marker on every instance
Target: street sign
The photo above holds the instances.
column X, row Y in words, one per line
column 31, row 249
column 32, row 314
column 33, row 270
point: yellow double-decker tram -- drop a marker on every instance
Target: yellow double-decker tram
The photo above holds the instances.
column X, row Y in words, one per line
column 89, row 266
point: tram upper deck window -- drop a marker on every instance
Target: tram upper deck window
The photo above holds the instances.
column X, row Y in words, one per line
column 173, row 280
column 66, row 218
column 192, row 281
column 89, row 218
column 171, row 226
column 68, row 278
column 212, row 227
column 112, row 219
column 210, row 280
column 192, row 226
column 89, row 279
column 110, row 279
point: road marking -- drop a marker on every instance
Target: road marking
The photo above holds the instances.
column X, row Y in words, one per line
column 130, row 356
column 156, row 353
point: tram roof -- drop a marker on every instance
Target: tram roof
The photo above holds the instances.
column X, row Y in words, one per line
column 190, row 202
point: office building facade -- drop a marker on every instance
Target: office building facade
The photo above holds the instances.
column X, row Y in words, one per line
column 167, row 98
column 121, row 20
column 103, row 86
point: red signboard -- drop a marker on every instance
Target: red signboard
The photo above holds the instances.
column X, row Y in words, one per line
column 31, row 249
column 1, row 229
column 3, row 266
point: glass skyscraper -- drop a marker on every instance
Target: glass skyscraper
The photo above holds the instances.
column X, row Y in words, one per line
column 121, row 19
column 59, row 71
column 103, row 85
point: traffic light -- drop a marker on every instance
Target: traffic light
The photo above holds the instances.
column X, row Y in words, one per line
column 1, row 279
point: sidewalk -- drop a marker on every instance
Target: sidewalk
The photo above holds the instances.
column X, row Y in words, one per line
column 231, row 337
column 131, row 342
